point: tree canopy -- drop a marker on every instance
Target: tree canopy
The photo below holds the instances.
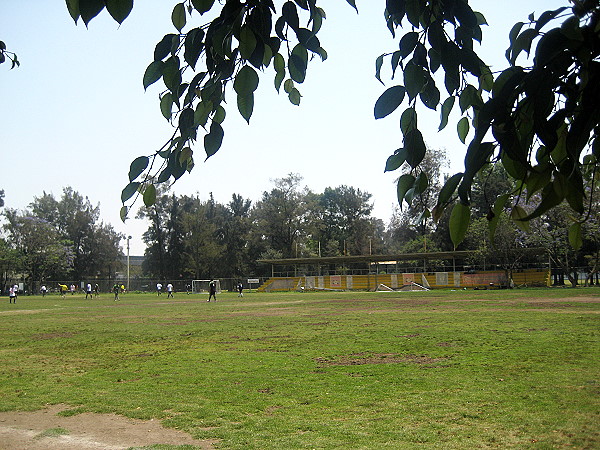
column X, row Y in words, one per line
column 537, row 118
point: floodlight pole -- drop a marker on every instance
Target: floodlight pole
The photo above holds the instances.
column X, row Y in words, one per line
column 128, row 238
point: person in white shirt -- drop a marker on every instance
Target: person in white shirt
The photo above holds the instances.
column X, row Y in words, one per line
column 88, row 291
column 158, row 289
column 169, row 290
column 12, row 295
column 43, row 290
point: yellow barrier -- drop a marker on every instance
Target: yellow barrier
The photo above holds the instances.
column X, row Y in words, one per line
column 436, row 280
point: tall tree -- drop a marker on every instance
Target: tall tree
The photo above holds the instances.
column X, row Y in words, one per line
column 282, row 214
column 156, row 236
column 203, row 246
column 77, row 221
column 236, row 227
column 345, row 220
column 43, row 253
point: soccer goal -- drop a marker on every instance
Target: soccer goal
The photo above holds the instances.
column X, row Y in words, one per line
column 202, row 285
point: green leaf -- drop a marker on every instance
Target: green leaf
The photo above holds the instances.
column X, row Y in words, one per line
column 449, row 188
column 421, row 183
column 150, row 195
column 247, row 42
column 129, row 190
column 171, row 74
column 246, row 81
column 415, row 147
column 297, row 63
column 279, row 63
column 408, row 120
column 164, row 175
column 185, row 155
column 166, row 105
column 203, row 6
column 518, row 215
column 353, row 4
column 245, row 105
column 445, row 112
column 469, row 97
column 279, row 76
column 178, row 16
column 536, row 180
column 480, row 18
column 414, row 80
column 123, row 213
column 88, row 9
column 138, row 165
column 430, row 95
column 496, row 212
column 288, row 86
column 193, row 46
column 164, row 47
column 575, row 236
column 219, row 115
column 395, row 160
column 213, row 140
column 405, row 182
column 512, row 36
column 203, row 109
column 389, row 101
column 186, row 122
column 486, row 79
column 550, row 198
column 408, row 43
column 378, row 64
column 73, row 8
column 290, row 14
column 153, row 73
column 425, row 214
column 522, row 43
column 547, row 16
column 294, row 96
column 459, row 223
column 119, row 9
column 308, row 39
column 463, row 129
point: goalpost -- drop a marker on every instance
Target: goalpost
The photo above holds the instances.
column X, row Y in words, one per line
column 202, row 285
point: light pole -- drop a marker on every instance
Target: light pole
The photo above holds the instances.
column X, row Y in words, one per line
column 128, row 238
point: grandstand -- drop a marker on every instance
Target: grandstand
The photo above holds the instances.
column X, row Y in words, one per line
column 395, row 272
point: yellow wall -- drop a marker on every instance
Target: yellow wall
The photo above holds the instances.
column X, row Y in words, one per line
column 533, row 277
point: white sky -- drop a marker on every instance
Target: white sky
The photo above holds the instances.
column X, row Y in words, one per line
column 75, row 112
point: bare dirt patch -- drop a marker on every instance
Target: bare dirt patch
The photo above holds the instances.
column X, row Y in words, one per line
column 87, row 431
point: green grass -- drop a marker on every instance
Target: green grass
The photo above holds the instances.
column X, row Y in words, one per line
column 441, row 369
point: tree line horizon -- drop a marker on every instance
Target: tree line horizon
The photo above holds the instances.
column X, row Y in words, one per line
column 190, row 238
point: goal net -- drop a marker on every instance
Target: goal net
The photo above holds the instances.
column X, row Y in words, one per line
column 202, row 285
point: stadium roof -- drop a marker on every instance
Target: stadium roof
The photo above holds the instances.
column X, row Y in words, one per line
column 379, row 258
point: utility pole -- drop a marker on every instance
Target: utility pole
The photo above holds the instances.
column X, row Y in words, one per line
column 128, row 238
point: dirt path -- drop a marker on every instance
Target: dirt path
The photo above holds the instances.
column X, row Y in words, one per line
column 45, row 430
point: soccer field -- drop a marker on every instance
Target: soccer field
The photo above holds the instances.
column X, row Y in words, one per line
column 437, row 369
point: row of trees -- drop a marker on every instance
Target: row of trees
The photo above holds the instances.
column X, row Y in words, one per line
column 58, row 239
column 191, row 238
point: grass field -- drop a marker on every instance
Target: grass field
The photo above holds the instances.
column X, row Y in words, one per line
column 464, row 369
